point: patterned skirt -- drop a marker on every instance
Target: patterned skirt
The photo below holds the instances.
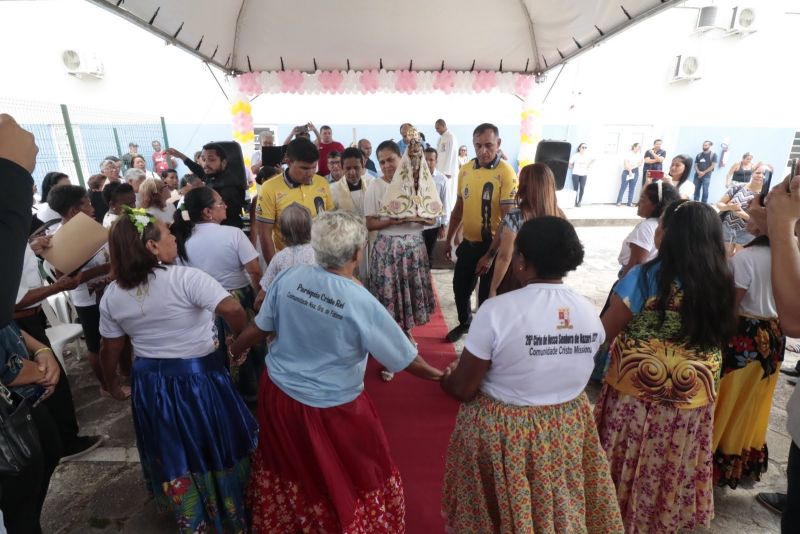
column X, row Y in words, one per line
column 527, row 469
column 195, row 437
column 661, row 462
column 750, row 366
column 400, row 278
column 323, row 469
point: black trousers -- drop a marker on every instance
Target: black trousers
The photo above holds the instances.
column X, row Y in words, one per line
column 578, row 184
column 430, row 236
column 60, row 403
column 23, row 494
column 790, row 521
column 468, row 254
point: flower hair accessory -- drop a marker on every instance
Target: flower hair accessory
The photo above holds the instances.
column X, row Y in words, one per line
column 139, row 217
column 185, row 213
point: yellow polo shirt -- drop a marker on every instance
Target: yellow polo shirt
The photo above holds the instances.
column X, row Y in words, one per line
column 278, row 192
column 482, row 191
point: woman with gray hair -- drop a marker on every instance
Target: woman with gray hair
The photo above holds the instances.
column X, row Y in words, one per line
column 321, row 445
column 294, row 223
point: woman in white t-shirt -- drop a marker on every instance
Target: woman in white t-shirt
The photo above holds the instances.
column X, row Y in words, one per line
column 678, row 176
column 525, row 423
column 580, row 163
column 227, row 255
column 138, row 162
column 154, row 198
column 630, row 173
column 750, row 364
column 193, row 431
column 639, row 246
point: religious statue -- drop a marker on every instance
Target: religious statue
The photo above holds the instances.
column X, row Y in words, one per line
column 412, row 193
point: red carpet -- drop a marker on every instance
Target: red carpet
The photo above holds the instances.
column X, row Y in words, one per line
column 418, row 418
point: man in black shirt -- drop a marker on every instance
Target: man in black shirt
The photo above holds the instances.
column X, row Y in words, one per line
column 216, row 175
column 704, row 164
column 653, row 159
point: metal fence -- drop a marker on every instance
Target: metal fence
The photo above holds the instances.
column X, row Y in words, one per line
column 76, row 139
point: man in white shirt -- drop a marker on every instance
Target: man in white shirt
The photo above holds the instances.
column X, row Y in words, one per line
column 265, row 138
column 447, row 162
column 335, row 167
column 433, row 233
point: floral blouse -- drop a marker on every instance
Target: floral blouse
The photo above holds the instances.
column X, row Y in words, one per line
column 649, row 360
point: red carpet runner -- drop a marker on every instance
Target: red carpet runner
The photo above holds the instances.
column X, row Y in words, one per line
column 418, row 418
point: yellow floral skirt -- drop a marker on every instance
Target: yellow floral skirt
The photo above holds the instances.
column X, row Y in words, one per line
column 750, row 372
column 528, row 469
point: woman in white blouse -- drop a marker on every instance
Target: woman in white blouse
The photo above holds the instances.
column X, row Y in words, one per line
column 630, row 174
column 193, row 432
column 228, row 256
column 525, row 453
column 580, row 163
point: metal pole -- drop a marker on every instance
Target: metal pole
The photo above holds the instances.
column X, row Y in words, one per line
column 72, row 146
column 164, row 132
column 116, row 142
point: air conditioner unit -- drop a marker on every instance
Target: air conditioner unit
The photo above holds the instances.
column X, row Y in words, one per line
column 81, row 63
column 687, row 68
column 743, row 20
column 708, row 19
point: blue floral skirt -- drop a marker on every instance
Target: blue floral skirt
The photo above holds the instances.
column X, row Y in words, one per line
column 400, row 278
column 195, row 436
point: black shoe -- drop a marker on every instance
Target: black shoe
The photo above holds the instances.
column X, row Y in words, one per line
column 82, row 446
column 774, row 502
column 456, row 333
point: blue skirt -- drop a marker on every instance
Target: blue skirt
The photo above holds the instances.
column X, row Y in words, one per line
column 195, row 436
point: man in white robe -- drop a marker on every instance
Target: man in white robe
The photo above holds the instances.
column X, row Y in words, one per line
column 447, row 161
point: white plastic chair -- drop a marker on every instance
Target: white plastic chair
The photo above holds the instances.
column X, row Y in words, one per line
column 60, row 333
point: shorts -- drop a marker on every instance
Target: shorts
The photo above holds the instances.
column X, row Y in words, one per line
column 736, row 236
column 90, row 321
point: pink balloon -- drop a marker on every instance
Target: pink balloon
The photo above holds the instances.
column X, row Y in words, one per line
column 291, row 81
column 248, row 83
column 405, row 81
column 369, row 81
column 484, row 81
column 523, row 85
column 444, row 81
column 331, row 81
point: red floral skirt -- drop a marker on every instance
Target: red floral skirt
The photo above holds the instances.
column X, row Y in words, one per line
column 322, row 469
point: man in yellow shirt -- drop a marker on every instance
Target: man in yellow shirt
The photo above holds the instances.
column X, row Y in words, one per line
column 298, row 184
column 487, row 188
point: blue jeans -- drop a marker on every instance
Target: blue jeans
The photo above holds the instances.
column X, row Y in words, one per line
column 704, row 182
column 630, row 184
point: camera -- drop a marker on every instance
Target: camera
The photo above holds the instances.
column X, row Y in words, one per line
column 302, row 129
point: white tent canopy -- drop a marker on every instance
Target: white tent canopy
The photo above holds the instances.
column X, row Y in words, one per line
column 309, row 35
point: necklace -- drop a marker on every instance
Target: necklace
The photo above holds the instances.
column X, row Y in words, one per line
column 142, row 292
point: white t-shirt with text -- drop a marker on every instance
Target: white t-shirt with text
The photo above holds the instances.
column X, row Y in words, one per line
column 541, row 340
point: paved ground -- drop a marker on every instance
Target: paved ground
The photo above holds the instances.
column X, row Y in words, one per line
column 103, row 493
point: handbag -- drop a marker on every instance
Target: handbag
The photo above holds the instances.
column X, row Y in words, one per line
column 19, row 439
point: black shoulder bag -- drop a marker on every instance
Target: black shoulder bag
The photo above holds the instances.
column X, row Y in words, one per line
column 19, row 439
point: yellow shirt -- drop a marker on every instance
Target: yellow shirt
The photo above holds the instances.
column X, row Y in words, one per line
column 278, row 192
column 483, row 191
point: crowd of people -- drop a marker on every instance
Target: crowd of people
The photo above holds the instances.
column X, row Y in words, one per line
column 691, row 176
column 197, row 323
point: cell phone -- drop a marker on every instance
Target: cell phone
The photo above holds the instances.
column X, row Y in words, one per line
column 655, row 175
column 302, row 128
